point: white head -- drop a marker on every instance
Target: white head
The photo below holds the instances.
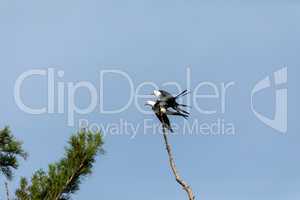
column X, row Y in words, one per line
column 150, row 103
column 156, row 93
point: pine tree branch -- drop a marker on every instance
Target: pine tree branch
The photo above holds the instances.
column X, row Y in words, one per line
column 10, row 152
column 71, row 179
column 178, row 179
column 64, row 177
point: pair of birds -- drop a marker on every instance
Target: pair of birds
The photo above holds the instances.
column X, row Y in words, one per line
column 161, row 106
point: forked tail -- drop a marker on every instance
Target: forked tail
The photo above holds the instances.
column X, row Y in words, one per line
column 183, row 93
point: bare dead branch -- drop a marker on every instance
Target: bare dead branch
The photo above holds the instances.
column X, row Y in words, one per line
column 178, row 179
column 7, row 191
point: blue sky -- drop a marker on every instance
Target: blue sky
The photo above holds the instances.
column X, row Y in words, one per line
column 155, row 41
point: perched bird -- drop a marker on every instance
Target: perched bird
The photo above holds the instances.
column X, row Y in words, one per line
column 170, row 100
column 162, row 113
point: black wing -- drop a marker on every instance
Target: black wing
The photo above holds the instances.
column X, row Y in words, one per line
column 159, row 117
column 165, row 94
column 164, row 120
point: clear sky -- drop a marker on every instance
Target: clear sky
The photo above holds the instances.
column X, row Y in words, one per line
column 220, row 41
